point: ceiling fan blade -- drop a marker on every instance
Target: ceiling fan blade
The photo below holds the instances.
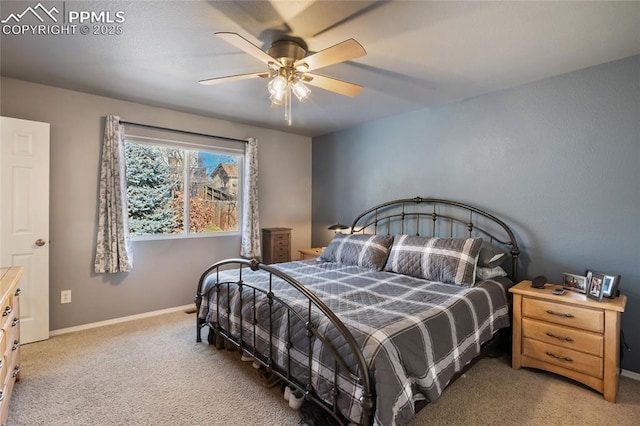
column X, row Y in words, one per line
column 229, row 78
column 317, row 17
column 344, row 51
column 243, row 44
column 333, row 85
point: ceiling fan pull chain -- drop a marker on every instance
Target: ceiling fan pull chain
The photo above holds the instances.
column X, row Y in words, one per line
column 287, row 106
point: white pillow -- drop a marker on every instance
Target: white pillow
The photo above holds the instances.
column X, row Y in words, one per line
column 488, row 273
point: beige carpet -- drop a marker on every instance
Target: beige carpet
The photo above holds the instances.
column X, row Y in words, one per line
column 152, row 372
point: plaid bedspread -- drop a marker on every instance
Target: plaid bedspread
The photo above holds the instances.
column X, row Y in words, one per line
column 415, row 334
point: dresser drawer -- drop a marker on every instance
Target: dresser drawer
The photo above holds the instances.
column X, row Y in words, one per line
column 4, row 397
column 280, row 240
column 5, row 393
column 558, row 313
column 567, row 337
column 563, row 357
column 7, row 309
column 284, row 257
column 12, row 353
column 4, row 368
column 279, row 250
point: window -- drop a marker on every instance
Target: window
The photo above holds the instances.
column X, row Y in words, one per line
column 181, row 190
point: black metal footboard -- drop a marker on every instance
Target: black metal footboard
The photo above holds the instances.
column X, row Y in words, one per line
column 240, row 306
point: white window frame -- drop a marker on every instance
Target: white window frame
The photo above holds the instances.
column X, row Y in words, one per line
column 213, row 148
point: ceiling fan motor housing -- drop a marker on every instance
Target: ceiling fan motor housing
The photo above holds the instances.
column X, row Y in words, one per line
column 286, row 51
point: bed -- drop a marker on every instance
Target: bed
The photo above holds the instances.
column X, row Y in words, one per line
column 384, row 320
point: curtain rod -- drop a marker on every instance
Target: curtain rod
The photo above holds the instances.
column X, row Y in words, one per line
column 182, row 131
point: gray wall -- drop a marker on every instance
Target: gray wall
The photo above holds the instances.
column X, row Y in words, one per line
column 166, row 272
column 557, row 159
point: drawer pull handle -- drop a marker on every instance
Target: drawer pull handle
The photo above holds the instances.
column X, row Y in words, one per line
column 16, row 371
column 1, row 396
column 562, row 358
column 16, row 345
column 15, row 322
column 7, row 311
column 560, row 314
column 567, row 339
column 18, row 292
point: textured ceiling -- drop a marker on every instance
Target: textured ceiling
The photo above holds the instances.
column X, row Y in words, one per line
column 419, row 54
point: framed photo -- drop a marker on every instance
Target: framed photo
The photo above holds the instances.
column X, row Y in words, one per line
column 610, row 284
column 575, row 282
column 595, row 286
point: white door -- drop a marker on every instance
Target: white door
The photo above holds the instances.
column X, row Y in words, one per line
column 24, row 218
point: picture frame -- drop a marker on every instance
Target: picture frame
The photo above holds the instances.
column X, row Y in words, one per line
column 595, row 286
column 575, row 282
column 610, row 284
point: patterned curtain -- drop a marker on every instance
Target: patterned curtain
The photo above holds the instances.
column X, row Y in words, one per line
column 113, row 253
column 250, row 242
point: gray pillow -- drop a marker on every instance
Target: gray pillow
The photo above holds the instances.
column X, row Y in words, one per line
column 367, row 251
column 447, row 260
column 491, row 255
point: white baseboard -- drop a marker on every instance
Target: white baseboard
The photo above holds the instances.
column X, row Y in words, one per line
column 631, row 374
column 626, row 373
column 119, row 320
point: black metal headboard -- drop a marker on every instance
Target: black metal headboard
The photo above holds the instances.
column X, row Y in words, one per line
column 438, row 218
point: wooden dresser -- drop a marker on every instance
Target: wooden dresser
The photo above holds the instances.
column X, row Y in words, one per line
column 9, row 335
column 568, row 334
column 276, row 245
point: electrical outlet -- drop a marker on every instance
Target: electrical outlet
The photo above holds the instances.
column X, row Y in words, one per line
column 65, row 296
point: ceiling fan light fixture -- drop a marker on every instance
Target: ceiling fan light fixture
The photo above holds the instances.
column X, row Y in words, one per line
column 277, row 86
column 301, row 91
column 277, row 100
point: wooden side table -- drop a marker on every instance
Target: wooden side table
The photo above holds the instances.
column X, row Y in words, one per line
column 568, row 334
column 310, row 253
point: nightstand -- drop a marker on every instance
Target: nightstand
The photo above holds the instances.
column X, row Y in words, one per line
column 569, row 334
column 310, row 253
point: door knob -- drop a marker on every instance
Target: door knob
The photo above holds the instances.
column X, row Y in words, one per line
column 40, row 242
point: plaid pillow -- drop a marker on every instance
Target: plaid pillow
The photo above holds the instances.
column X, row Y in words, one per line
column 446, row 260
column 367, row 251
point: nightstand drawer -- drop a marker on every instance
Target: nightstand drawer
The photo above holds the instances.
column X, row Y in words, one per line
column 567, row 337
column 558, row 313
column 566, row 358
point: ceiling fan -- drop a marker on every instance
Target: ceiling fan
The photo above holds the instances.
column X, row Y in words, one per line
column 289, row 68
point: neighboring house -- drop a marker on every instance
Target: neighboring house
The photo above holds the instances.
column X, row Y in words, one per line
column 225, row 182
